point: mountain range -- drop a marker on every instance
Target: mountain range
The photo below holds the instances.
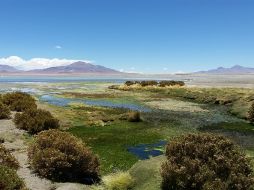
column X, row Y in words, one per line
column 237, row 69
column 76, row 67
column 88, row 68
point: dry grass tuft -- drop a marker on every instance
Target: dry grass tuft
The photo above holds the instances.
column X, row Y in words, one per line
column 118, row 181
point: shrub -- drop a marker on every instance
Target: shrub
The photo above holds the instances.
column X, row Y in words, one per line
column 7, row 159
column 205, row 161
column 155, row 83
column 1, row 140
column 118, row 181
column 35, row 121
column 180, row 83
column 251, row 113
column 62, row 157
column 171, row 83
column 129, row 83
column 114, row 87
column 19, row 101
column 5, row 112
column 134, row 116
column 9, row 179
column 149, row 83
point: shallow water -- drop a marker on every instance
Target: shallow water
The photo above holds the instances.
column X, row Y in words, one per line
column 145, row 151
column 59, row 101
column 53, row 79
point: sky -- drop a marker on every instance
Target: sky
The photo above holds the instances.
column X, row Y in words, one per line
column 149, row 36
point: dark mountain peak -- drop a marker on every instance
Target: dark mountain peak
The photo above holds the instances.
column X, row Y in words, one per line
column 80, row 64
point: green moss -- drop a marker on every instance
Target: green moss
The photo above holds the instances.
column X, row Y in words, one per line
column 111, row 142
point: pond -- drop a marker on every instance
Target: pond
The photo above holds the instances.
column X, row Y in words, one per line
column 145, row 151
column 60, row 101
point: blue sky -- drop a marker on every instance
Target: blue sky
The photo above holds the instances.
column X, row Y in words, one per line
column 150, row 36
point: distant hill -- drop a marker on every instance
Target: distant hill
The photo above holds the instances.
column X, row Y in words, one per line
column 77, row 67
column 7, row 68
column 237, row 69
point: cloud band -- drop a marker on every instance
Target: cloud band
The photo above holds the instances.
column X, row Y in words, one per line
column 36, row 63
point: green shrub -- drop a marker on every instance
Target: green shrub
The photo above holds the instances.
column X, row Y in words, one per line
column 35, row 121
column 19, row 101
column 9, row 179
column 7, row 159
column 251, row 113
column 62, row 157
column 205, row 161
column 5, row 112
column 118, row 181
column 134, row 116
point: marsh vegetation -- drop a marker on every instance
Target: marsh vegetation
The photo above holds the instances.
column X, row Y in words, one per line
column 145, row 118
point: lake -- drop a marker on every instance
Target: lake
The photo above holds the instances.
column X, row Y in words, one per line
column 53, row 79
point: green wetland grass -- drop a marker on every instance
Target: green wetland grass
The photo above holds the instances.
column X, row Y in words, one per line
column 111, row 142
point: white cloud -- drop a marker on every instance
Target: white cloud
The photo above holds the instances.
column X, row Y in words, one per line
column 36, row 63
column 179, row 72
column 131, row 70
column 58, row 47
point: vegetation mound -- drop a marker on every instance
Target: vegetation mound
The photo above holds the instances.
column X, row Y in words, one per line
column 134, row 116
column 60, row 156
column 7, row 159
column 251, row 113
column 171, row 83
column 148, row 83
column 9, row 179
column 35, row 121
column 155, row 83
column 19, row 101
column 130, row 83
column 205, row 161
column 5, row 112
